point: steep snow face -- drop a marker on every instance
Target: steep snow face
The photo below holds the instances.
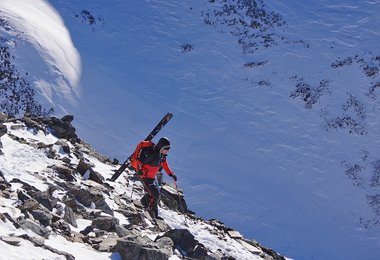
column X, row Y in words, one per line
column 43, row 49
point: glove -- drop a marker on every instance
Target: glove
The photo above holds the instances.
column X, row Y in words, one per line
column 173, row 176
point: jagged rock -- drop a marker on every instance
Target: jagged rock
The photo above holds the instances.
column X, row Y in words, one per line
column 17, row 127
column 132, row 248
column 87, row 196
column 64, row 172
column 31, row 225
column 31, row 123
column 272, row 253
column 67, row 118
column 103, row 206
column 43, row 217
column 166, row 245
column 96, row 177
column 70, row 202
column 234, row 234
column 3, row 117
column 61, row 128
column 30, row 205
column 92, row 196
column 69, row 216
column 134, row 217
column 173, row 198
column 121, row 231
column 200, row 252
column 106, row 245
column 3, row 130
column 86, row 231
column 162, row 226
column 46, row 199
column 105, row 223
column 82, row 167
column 182, row 239
column 62, row 227
column 253, row 248
column 4, row 185
column 63, row 144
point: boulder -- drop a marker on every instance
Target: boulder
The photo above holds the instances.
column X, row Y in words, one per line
column 105, row 223
column 139, row 248
column 182, row 239
column 173, row 198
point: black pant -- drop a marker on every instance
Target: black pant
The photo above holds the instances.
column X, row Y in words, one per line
column 152, row 194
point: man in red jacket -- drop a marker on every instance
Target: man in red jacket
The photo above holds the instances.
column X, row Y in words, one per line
column 147, row 160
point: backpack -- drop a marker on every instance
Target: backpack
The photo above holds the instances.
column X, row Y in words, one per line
column 145, row 154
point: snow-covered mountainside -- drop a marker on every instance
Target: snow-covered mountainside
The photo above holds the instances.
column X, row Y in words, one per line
column 276, row 104
column 55, row 202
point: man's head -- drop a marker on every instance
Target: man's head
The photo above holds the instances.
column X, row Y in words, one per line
column 163, row 145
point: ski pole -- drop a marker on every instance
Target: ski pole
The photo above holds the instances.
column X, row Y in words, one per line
column 180, row 202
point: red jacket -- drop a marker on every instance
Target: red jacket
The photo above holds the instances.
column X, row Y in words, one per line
column 148, row 160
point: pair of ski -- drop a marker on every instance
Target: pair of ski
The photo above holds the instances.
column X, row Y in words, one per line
column 152, row 134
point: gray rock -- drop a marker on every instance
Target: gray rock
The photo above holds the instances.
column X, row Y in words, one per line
column 96, row 177
column 105, row 223
column 14, row 241
column 83, row 166
column 136, row 249
column 87, row 196
column 3, row 130
column 106, row 245
column 65, row 172
column 31, row 225
column 183, row 239
column 43, row 217
column 3, row 117
column 166, row 245
column 173, row 198
column 69, row 216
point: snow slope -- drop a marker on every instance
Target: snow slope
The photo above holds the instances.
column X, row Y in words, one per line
column 44, row 49
column 280, row 143
column 30, row 164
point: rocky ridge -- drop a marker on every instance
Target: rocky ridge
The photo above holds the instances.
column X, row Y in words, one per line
column 77, row 189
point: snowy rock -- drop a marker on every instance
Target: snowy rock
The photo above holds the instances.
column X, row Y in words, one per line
column 234, row 234
column 14, row 241
column 33, row 226
column 173, row 198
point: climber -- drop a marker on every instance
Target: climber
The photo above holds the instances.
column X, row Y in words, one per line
column 147, row 160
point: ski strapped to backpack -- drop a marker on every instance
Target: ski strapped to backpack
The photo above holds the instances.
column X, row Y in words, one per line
column 152, row 134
